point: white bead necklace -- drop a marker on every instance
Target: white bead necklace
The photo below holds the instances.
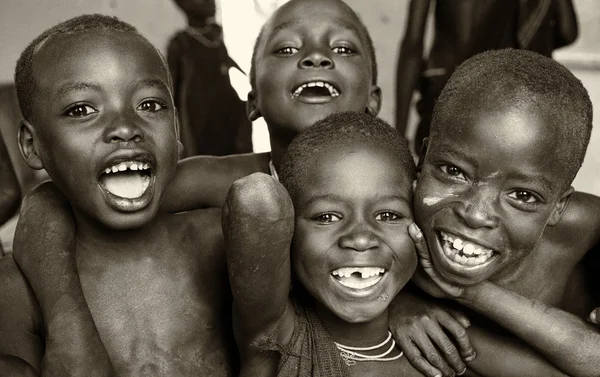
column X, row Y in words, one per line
column 350, row 356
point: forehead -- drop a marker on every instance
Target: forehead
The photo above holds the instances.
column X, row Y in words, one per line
column 96, row 55
column 521, row 140
column 310, row 13
column 356, row 170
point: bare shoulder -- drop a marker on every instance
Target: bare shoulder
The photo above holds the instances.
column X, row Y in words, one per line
column 237, row 165
column 579, row 227
column 20, row 316
column 200, row 231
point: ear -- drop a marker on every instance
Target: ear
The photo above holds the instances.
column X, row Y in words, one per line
column 374, row 104
column 422, row 154
column 252, row 110
column 560, row 206
column 28, row 145
column 178, row 135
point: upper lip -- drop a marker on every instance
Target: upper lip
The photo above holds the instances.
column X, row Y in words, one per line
column 469, row 239
column 124, row 155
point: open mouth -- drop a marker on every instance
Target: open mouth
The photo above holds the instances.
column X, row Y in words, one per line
column 127, row 179
column 316, row 89
column 463, row 252
column 358, row 277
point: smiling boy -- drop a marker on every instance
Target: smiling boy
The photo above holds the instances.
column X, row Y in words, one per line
column 349, row 178
column 495, row 203
column 99, row 117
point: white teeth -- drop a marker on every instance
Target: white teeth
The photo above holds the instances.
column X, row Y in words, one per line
column 368, row 276
column 464, row 252
column 332, row 91
column 365, row 272
column 123, row 166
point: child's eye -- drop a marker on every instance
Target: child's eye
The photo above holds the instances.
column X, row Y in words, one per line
column 327, row 218
column 287, row 50
column 79, row 111
column 151, row 106
column 343, row 50
column 387, row 216
column 453, row 171
column 523, row 196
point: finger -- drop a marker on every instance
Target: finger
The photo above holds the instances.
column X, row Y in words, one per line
column 460, row 317
column 459, row 333
column 432, row 355
column 595, row 316
column 448, row 349
column 416, row 359
column 420, row 244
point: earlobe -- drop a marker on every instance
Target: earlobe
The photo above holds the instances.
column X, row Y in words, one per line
column 252, row 110
column 560, row 207
column 27, row 145
column 374, row 101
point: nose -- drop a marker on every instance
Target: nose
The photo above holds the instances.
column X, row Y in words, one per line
column 123, row 128
column 479, row 208
column 361, row 238
column 316, row 58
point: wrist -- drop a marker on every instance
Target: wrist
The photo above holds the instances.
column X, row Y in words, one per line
column 472, row 294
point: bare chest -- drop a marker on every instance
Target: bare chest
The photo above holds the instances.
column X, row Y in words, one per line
column 161, row 318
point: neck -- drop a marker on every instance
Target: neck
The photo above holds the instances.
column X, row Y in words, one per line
column 277, row 150
column 363, row 334
column 95, row 236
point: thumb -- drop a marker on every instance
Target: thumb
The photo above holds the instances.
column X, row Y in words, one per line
column 420, row 244
column 595, row 316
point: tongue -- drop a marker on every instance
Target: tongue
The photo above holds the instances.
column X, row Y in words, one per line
column 129, row 184
column 315, row 91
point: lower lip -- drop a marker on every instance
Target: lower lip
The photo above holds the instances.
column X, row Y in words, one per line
column 129, row 205
column 314, row 100
column 360, row 293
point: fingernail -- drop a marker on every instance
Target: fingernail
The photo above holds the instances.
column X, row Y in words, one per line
column 471, row 357
column 461, row 373
column 593, row 316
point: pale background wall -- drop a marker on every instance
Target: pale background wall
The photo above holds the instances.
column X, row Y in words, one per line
column 22, row 20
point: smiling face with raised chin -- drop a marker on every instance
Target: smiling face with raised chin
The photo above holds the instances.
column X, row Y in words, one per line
column 103, row 125
column 351, row 249
column 312, row 60
column 487, row 189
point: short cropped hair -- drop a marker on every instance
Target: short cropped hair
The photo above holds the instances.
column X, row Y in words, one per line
column 341, row 129
column 361, row 27
column 521, row 78
column 24, row 75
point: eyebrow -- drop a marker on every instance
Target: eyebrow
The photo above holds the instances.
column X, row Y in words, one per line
column 337, row 198
column 151, row 83
column 295, row 22
column 77, row 86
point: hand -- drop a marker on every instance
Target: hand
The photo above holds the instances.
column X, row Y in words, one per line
column 420, row 327
column 426, row 277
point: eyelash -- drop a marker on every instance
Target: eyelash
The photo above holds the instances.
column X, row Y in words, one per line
column 326, row 218
column 394, row 216
column 71, row 111
column 530, row 195
column 348, row 51
column 161, row 105
column 457, row 172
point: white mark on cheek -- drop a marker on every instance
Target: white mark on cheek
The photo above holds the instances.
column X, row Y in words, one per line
column 383, row 297
column 431, row 200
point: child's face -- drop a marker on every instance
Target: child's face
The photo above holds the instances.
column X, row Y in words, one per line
column 312, row 61
column 351, row 248
column 487, row 189
column 103, row 125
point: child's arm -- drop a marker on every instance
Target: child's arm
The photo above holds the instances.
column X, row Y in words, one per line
column 565, row 340
column 203, row 181
column 258, row 224
column 410, row 60
column 422, row 329
column 44, row 248
column 566, row 23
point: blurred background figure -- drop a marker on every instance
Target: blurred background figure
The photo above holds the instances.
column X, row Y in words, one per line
column 463, row 28
column 10, row 191
column 212, row 117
